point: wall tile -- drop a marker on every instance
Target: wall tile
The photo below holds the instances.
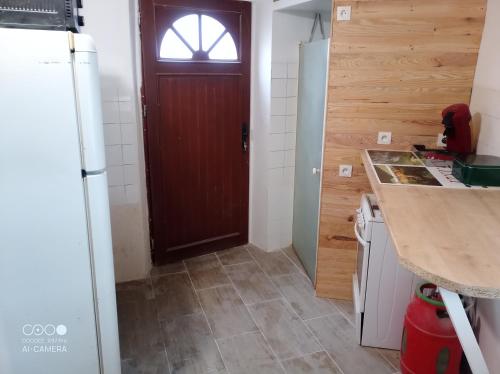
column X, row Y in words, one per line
column 273, row 239
column 275, row 176
column 291, row 87
column 131, row 174
column 276, row 159
column 285, row 234
column 115, row 176
column 291, row 123
column 276, row 142
column 278, row 124
column 277, row 202
column 290, row 157
column 132, row 193
column 116, row 195
column 109, row 91
column 289, row 176
column 110, row 112
column 278, row 70
column 293, row 70
column 129, row 134
column 279, row 87
column 127, row 112
column 291, row 105
column 113, row 155
column 278, row 106
column 281, row 179
column 112, row 134
column 124, row 96
column 290, row 139
column 130, row 154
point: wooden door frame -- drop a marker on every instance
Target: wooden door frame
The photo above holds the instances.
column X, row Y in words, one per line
column 156, row 256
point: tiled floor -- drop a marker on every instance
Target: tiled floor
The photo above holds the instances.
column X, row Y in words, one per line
column 239, row 311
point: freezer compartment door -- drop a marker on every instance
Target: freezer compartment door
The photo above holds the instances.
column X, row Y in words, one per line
column 104, row 279
column 88, row 96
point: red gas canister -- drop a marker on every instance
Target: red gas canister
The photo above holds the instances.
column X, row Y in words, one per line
column 429, row 344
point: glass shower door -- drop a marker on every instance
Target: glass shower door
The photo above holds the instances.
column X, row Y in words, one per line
column 313, row 67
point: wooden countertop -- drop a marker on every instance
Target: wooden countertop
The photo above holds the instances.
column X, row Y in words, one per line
column 450, row 237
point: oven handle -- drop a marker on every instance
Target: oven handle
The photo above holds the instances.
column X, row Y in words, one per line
column 360, row 239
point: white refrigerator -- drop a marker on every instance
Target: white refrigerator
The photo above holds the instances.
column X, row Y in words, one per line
column 57, row 290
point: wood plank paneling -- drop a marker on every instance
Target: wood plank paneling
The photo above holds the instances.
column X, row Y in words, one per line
column 393, row 67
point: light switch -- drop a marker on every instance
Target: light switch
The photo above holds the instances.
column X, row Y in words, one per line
column 344, row 13
column 345, row 171
column 384, row 137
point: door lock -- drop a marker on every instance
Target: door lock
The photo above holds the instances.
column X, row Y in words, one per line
column 244, row 136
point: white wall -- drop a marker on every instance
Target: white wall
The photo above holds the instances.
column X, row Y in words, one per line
column 111, row 25
column 260, row 116
column 486, row 103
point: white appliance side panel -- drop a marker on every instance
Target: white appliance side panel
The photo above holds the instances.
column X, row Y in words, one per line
column 47, row 314
column 98, row 208
column 357, row 310
column 389, row 290
column 88, row 95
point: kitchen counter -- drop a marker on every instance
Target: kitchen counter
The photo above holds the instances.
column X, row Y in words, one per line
column 448, row 236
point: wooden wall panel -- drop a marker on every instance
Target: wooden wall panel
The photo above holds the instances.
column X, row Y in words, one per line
column 393, row 67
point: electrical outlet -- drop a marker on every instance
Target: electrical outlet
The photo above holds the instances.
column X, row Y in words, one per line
column 384, row 137
column 440, row 142
column 345, row 171
column 344, row 13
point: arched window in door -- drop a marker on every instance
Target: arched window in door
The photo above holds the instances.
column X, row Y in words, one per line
column 198, row 37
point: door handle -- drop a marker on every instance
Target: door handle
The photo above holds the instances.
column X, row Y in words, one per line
column 316, row 171
column 358, row 236
column 244, row 136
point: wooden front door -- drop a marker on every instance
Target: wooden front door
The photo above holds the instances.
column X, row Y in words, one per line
column 196, row 68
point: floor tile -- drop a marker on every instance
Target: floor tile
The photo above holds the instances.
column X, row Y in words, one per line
column 285, row 332
column 206, row 271
column 346, row 307
column 137, row 319
column 190, row 346
column 248, row 354
column 252, row 284
column 151, row 363
column 299, row 292
column 225, row 311
column 393, row 357
column 292, row 255
column 139, row 328
column 175, row 267
column 234, row 256
column 134, row 291
column 273, row 263
column 175, row 296
column 316, row 363
column 336, row 335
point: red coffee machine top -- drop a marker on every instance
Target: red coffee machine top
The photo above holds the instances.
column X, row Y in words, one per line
column 457, row 133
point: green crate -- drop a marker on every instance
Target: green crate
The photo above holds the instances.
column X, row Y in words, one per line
column 477, row 170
